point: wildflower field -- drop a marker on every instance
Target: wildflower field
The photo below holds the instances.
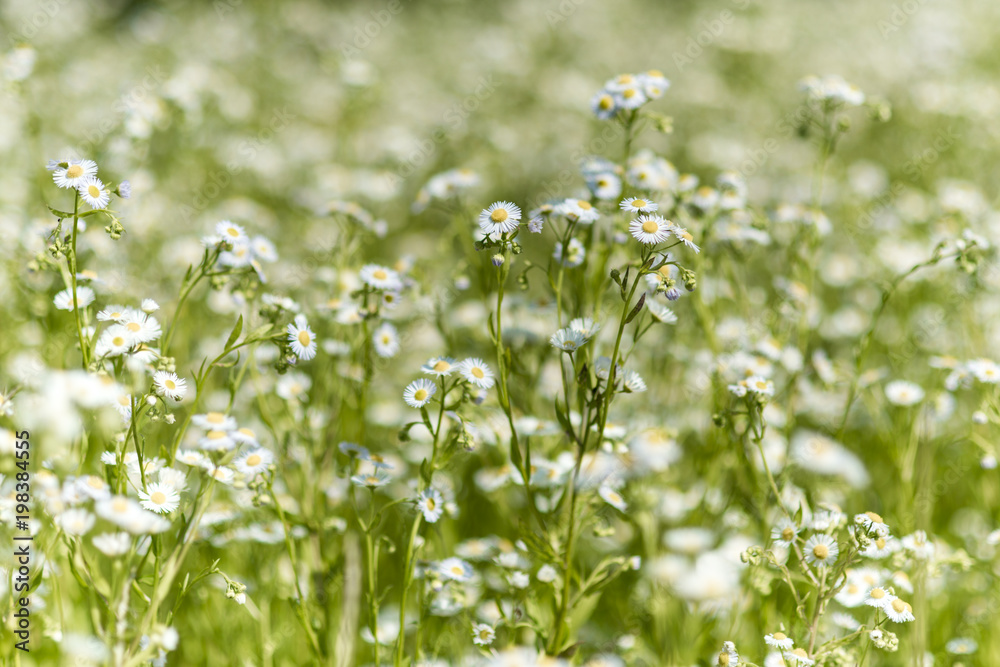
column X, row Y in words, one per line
column 545, row 332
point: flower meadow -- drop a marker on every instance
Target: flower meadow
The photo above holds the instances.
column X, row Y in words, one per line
column 469, row 334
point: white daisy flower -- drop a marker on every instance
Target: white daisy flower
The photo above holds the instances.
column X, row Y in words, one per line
column 631, row 97
column 476, row 372
column 572, row 256
column 254, row 461
column 76, row 521
column 217, row 441
column 821, row 550
column 93, row 192
column 872, row 523
column 439, row 366
column 879, row 548
column 603, row 105
column 605, row 186
column 112, row 544
column 455, row 569
column 112, row 313
column 431, row 505
column 168, row 385
column 160, row 498
column 386, row 340
column 728, row 657
column 373, row 480
column 580, row 210
column 114, row 342
column 263, row 249
column 650, row 229
column 638, row 205
column 633, row 382
column 661, row 313
column 482, row 634
column 149, row 306
column 779, row 640
column 799, row 658
column 499, row 217
column 903, row 393
column 585, row 326
column 64, row 299
column 74, row 174
column 216, row 421
column 302, row 338
column 961, row 646
column 191, row 457
column 142, row 327
column 918, row 545
column 759, row 385
column 231, row 232
column 174, row 478
column 684, row 236
column 567, row 340
column 612, row 497
column 419, row 393
column 984, row 370
column 879, row 598
column 222, row 474
column 784, row 532
column 245, row 436
column 899, row 611
column 380, row 277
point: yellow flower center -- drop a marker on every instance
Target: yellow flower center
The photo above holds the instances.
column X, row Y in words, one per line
column 248, row 432
column 420, row 394
column 687, row 236
column 430, row 504
column 650, row 227
column 585, row 205
column 659, row 75
column 170, row 384
column 639, row 203
column 253, row 460
column 821, row 551
column 499, row 215
column 215, row 418
column 120, row 505
column 304, row 338
column 875, row 518
column 233, row 232
column 75, row 171
column 133, row 326
column 606, row 102
column 629, row 93
column 117, row 341
column 215, row 435
column 877, row 594
column 379, row 274
column 723, row 659
column 478, row 373
column 780, row 636
column 158, row 497
column 442, row 366
column 899, row 606
column 787, row 534
column 880, row 543
column 93, row 191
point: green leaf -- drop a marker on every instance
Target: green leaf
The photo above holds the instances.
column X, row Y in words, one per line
column 425, row 471
column 515, row 455
column 564, row 421
column 61, row 214
column 638, row 307
column 237, row 330
column 259, row 332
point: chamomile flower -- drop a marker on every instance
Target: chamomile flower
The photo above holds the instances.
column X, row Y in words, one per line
column 630, row 97
column 879, row 598
column 142, row 327
column 231, row 232
column 254, row 461
column 728, row 657
column 372, row 480
column 638, row 205
column 302, row 338
column 603, row 105
column 216, row 421
column 685, row 237
column 476, row 372
column 578, row 210
column 191, row 457
column 386, row 340
column 612, row 497
column 585, row 326
column 114, row 342
column 872, row 523
column 879, row 548
column 439, row 366
column 455, row 569
column 799, row 658
column 661, row 313
column 482, row 634
column 263, row 249
column 650, row 229
column 784, row 532
column 431, row 505
column 94, row 193
column 903, row 393
column 961, row 646
column 633, row 382
column 567, row 340
column 779, row 640
column 380, row 277
column 112, row 544
column 76, row 522
column 217, row 441
column 499, row 217
column 821, row 550
column 899, row 611
column 160, row 498
column 64, row 299
column 419, row 393
column 168, row 385
column 74, row 173
column 112, row 313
